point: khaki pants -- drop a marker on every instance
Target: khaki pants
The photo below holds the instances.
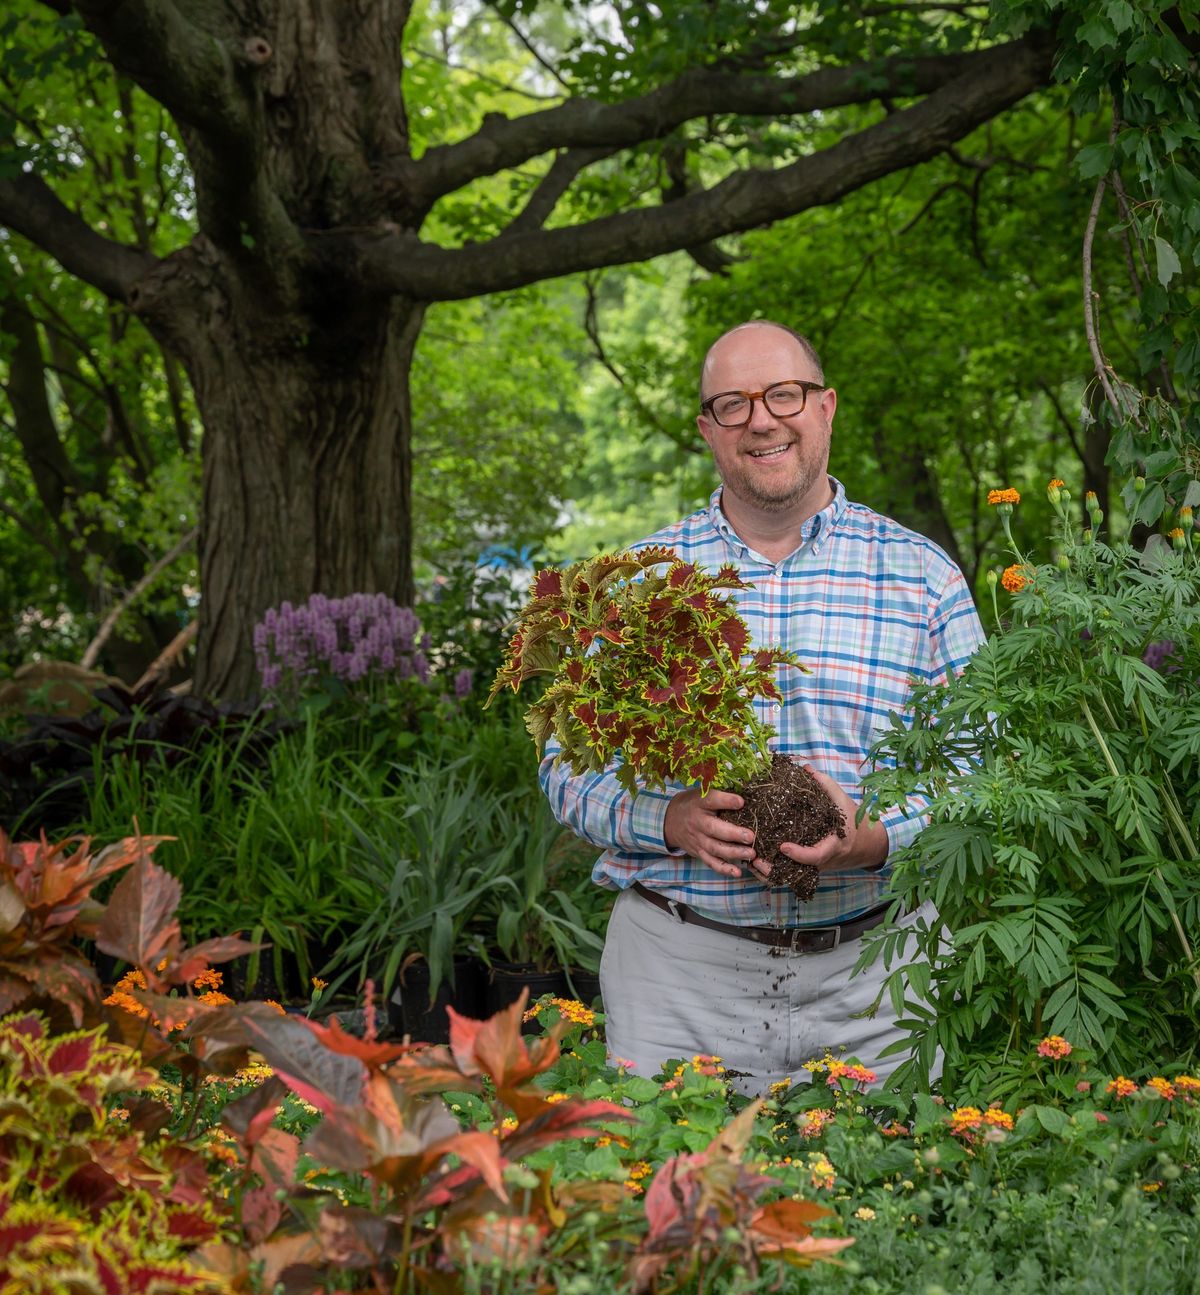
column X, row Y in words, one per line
column 672, row 990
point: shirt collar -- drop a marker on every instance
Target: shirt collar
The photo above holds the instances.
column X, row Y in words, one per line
column 812, row 533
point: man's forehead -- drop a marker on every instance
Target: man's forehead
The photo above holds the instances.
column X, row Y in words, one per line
column 746, row 342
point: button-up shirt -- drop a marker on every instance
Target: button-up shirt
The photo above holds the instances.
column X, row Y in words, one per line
column 869, row 606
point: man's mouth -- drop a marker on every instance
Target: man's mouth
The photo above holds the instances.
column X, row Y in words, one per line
column 771, row 453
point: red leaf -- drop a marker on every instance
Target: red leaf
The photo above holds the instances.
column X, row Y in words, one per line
column 71, row 1056
column 733, row 633
column 705, row 773
column 680, row 574
column 139, row 924
column 680, row 680
column 548, row 584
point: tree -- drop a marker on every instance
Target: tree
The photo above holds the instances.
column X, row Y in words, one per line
column 296, row 305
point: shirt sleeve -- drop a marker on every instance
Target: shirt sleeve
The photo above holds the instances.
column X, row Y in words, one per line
column 596, row 807
column 955, row 633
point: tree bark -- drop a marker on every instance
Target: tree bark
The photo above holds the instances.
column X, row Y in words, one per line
column 307, row 463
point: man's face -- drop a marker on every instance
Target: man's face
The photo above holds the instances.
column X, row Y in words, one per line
column 771, row 464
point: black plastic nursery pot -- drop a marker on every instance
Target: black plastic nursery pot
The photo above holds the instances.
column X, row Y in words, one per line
column 586, row 987
column 506, row 980
column 411, row 1012
column 281, row 983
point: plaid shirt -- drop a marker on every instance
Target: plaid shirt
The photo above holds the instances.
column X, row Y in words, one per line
column 868, row 605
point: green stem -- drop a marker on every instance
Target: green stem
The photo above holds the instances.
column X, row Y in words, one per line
column 1100, row 742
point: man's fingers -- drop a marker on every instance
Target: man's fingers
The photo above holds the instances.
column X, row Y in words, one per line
column 720, row 865
column 721, row 800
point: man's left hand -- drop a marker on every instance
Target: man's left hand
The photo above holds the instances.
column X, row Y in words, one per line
column 863, row 848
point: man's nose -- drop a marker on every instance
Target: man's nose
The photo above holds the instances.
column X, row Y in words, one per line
column 761, row 418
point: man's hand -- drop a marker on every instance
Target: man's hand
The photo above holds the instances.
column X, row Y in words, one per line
column 692, row 825
column 863, row 848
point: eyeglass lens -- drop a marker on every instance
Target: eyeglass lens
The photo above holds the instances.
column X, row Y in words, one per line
column 784, row 400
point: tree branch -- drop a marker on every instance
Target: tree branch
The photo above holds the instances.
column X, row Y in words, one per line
column 184, row 68
column 551, row 188
column 503, row 142
column 397, row 261
column 103, row 634
column 29, row 206
column 591, row 326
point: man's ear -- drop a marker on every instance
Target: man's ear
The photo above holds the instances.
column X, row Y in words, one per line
column 706, row 429
column 829, row 404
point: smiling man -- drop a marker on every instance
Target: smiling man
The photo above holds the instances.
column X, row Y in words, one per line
column 702, row 954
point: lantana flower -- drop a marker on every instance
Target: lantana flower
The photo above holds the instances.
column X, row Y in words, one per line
column 1121, row 1087
column 1055, row 1047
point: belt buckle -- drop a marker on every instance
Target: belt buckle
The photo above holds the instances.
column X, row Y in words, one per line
column 799, row 931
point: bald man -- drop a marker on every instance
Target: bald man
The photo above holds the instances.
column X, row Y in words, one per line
column 702, row 955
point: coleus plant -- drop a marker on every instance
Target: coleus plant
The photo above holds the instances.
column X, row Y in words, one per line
column 650, row 662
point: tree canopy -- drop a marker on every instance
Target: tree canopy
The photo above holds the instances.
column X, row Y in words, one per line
column 234, row 225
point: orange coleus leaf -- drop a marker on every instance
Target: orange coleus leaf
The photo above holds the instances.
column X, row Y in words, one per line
column 372, row 1055
column 139, row 924
column 782, row 1222
column 498, row 1049
column 542, row 1122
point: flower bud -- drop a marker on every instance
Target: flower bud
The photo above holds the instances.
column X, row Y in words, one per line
column 1088, row 535
column 1178, row 539
column 1097, row 516
column 1185, row 518
column 1064, row 562
column 1139, row 484
column 992, row 578
column 1090, row 501
column 1054, row 490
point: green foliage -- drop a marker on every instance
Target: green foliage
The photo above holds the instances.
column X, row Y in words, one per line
column 1061, row 853
column 652, row 668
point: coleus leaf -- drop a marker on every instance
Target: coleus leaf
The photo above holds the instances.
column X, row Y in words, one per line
column 139, row 924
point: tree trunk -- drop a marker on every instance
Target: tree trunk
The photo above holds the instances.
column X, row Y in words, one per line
column 306, row 457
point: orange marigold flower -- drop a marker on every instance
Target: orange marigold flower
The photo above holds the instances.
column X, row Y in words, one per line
column 1006, row 496
column 208, row 979
column 277, row 1007
column 1056, row 483
column 1014, row 579
column 1054, row 1046
column 215, row 999
column 1163, row 1087
column 1175, row 533
column 318, row 984
column 1121, row 1087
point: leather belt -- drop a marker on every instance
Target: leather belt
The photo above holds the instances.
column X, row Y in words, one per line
column 797, row 939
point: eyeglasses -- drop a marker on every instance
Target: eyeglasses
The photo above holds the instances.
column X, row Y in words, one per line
column 782, row 399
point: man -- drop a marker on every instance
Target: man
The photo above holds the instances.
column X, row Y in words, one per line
column 701, row 954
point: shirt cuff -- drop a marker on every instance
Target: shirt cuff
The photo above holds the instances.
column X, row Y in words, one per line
column 647, row 822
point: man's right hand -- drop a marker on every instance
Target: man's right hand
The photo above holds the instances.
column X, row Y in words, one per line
column 692, row 825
